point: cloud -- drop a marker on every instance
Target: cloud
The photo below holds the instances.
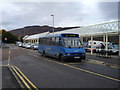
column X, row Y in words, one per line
column 20, row 14
column 109, row 11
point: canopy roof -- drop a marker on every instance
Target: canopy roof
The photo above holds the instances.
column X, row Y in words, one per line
column 97, row 29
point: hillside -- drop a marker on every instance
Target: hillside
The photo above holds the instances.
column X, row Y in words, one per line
column 30, row 30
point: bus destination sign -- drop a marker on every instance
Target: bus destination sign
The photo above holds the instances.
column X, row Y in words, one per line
column 70, row 35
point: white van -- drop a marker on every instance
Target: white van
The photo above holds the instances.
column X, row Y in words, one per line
column 96, row 45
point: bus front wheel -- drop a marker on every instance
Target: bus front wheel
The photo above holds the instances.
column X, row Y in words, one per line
column 61, row 57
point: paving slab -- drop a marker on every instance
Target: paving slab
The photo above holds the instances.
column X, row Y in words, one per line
column 8, row 80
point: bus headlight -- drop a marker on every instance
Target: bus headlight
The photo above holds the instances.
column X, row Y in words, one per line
column 67, row 54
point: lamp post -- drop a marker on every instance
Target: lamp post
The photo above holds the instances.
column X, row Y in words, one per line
column 53, row 23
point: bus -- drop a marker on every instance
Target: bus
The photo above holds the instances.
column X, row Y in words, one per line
column 62, row 46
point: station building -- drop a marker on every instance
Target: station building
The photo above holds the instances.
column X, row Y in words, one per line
column 106, row 32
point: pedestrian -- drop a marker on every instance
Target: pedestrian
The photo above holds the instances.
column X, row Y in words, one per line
column 102, row 46
column 102, row 49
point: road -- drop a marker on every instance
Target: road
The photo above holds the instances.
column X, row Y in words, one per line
column 47, row 72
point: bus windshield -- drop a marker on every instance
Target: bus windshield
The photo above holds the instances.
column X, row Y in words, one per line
column 72, row 42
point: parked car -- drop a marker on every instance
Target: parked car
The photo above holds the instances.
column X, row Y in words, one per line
column 23, row 45
column 85, row 45
column 19, row 44
column 114, row 49
column 34, row 46
column 28, row 45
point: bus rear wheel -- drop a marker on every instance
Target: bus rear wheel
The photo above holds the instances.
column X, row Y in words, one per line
column 43, row 53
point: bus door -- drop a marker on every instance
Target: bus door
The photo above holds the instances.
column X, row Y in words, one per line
column 54, row 46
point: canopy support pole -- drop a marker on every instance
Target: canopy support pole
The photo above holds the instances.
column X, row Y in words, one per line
column 106, row 46
column 82, row 40
column 91, row 45
column 119, row 44
column 104, row 38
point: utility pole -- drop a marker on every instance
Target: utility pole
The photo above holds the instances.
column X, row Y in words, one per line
column 53, row 23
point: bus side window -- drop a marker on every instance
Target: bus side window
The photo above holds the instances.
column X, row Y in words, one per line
column 60, row 42
column 50, row 41
column 57, row 41
column 53, row 41
column 44, row 41
column 39, row 41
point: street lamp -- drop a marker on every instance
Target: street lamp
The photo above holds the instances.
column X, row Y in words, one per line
column 53, row 23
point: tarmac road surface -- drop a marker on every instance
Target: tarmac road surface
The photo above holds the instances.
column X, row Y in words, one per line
column 46, row 72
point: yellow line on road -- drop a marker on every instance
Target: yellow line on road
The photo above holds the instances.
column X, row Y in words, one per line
column 5, row 65
column 27, row 79
column 74, row 63
column 21, row 78
column 94, row 73
column 9, row 57
column 20, row 83
column 115, row 67
column 15, row 69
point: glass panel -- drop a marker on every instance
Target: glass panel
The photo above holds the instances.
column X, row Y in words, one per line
column 72, row 42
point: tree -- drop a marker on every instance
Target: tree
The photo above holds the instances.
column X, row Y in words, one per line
column 7, row 37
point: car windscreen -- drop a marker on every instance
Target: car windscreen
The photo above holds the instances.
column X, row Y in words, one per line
column 115, row 46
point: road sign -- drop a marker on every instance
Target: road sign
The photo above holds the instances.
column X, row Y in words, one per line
column 5, row 39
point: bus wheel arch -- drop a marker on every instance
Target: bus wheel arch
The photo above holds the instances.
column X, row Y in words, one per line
column 61, row 57
column 43, row 53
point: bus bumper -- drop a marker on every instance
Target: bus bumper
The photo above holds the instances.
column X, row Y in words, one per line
column 74, row 57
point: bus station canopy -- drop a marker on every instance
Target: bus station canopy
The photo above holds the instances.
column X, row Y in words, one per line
column 98, row 29
column 106, row 29
column 110, row 28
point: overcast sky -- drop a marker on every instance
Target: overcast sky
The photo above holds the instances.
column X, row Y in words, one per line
column 20, row 14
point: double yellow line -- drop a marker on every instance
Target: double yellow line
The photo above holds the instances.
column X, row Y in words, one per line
column 19, row 73
column 94, row 73
column 23, row 78
column 9, row 56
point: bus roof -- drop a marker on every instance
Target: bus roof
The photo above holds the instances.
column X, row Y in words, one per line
column 57, row 35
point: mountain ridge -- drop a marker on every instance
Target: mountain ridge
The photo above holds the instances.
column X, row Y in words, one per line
column 31, row 30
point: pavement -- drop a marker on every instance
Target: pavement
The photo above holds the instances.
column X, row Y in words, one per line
column 114, row 60
column 8, row 80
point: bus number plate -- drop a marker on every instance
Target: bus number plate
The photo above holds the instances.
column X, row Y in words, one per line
column 76, row 57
